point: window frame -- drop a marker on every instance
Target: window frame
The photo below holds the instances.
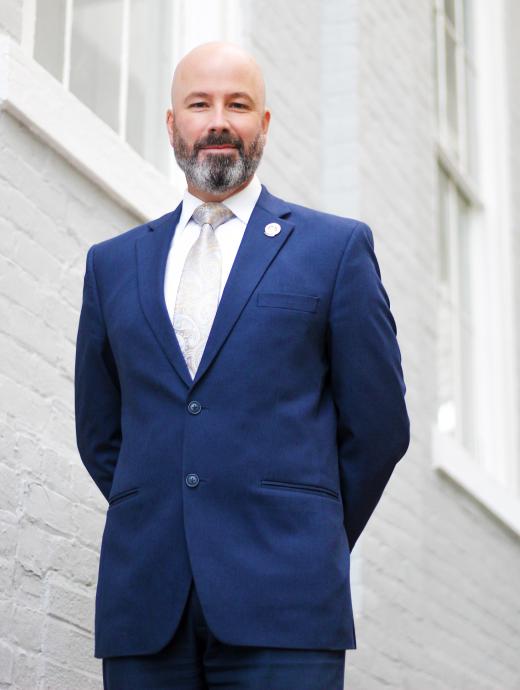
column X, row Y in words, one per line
column 34, row 97
column 120, row 173
column 492, row 475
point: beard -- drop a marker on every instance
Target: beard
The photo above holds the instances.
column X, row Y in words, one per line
column 218, row 173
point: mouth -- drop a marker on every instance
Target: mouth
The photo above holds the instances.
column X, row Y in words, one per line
column 221, row 148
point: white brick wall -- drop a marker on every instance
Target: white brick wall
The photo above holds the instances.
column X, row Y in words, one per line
column 51, row 514
column 351, row 92
column 282, row 36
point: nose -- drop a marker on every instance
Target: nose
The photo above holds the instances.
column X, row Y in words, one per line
column 218, row 121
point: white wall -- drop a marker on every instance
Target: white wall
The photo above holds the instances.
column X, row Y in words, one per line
column 51, row 515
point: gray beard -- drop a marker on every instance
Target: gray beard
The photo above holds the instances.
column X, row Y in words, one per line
column 218, row 173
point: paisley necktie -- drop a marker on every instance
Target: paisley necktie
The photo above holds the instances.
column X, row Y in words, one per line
column 199, row 287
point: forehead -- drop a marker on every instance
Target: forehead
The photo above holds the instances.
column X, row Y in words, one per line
column 217, row 77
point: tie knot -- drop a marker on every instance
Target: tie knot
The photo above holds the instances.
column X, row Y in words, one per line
column 213, row 213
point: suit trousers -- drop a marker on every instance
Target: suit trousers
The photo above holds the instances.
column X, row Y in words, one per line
column 194, row 659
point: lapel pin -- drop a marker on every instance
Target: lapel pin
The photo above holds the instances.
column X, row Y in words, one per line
column 272, row 229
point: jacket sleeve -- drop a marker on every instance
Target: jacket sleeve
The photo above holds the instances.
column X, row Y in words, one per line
column 96, row 388
column 373, row 431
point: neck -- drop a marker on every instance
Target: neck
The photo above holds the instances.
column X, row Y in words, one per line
column 214, row 196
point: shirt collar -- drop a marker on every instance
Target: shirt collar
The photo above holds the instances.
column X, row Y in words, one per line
column 242, row 203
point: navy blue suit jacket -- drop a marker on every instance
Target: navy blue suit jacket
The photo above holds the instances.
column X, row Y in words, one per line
column 258, row 476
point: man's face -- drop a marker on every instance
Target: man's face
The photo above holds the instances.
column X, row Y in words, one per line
column 218, row 124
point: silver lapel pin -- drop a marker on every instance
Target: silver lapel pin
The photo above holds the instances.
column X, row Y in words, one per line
column 272, row 229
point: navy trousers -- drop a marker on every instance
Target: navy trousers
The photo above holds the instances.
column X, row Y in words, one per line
column 196, row 660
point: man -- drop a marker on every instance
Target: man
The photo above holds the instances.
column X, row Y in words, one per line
column 240, row 404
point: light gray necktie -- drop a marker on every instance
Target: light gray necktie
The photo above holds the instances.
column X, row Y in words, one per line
column 199, row 288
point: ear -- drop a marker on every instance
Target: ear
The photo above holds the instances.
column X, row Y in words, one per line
column 170, row 119
column 266, row 119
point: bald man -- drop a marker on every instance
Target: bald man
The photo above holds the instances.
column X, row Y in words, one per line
column 240, row 403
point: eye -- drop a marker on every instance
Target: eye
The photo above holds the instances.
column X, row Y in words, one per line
column 197, row 104
column 239, row 106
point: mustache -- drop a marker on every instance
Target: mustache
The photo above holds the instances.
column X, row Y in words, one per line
column 219, row 140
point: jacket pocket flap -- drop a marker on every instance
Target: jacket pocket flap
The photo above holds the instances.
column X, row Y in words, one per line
column 122, row 494
column 287, row 300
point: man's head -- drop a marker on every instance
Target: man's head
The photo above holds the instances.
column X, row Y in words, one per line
column 218, row 122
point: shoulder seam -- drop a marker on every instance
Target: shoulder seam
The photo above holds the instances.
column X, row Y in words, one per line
column 343, row 253
column 96, row 289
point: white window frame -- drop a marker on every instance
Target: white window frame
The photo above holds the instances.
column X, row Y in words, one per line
column 32, row 95
column 494, row 477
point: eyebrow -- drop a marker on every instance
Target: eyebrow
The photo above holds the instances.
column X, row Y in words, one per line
column 242, row 94
column 203, row 94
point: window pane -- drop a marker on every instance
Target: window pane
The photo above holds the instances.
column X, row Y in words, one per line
column 150, row 74
column 445, row 314
column 466, row 323
column 469, row 38
column 49, row 37
column 465, row 251
column 443, row 228
column 449, row 9
column 471, row 105
column 95, row 56
column 446, row 413
column 451, row 91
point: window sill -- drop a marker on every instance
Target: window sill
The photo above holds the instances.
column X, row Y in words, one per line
column 34, row 97
column 452, row 460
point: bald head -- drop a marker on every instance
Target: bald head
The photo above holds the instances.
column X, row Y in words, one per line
column 217, row 64
column 218, row 122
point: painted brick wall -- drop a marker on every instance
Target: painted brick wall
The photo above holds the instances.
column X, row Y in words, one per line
column 51, row 513
column 282, row 38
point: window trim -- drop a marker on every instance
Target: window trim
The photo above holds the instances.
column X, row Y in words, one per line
column 443, row 25
column 34, row 97
column 495, row 481
column 452, row 460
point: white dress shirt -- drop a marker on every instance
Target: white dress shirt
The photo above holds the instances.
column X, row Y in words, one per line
column 229, row 236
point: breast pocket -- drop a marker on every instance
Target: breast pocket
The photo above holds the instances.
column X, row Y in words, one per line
column 287, row 300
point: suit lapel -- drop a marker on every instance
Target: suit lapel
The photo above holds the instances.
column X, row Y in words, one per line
column 255, row 253
column 152, row 253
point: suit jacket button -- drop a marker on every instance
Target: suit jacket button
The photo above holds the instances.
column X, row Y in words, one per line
column 194, row 407
column 192, row 480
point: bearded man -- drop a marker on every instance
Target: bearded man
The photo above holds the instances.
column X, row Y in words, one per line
column 240, row 403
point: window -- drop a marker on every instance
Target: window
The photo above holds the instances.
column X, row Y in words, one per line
column 457, row 237
column 118, row 57
column 475, row 436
